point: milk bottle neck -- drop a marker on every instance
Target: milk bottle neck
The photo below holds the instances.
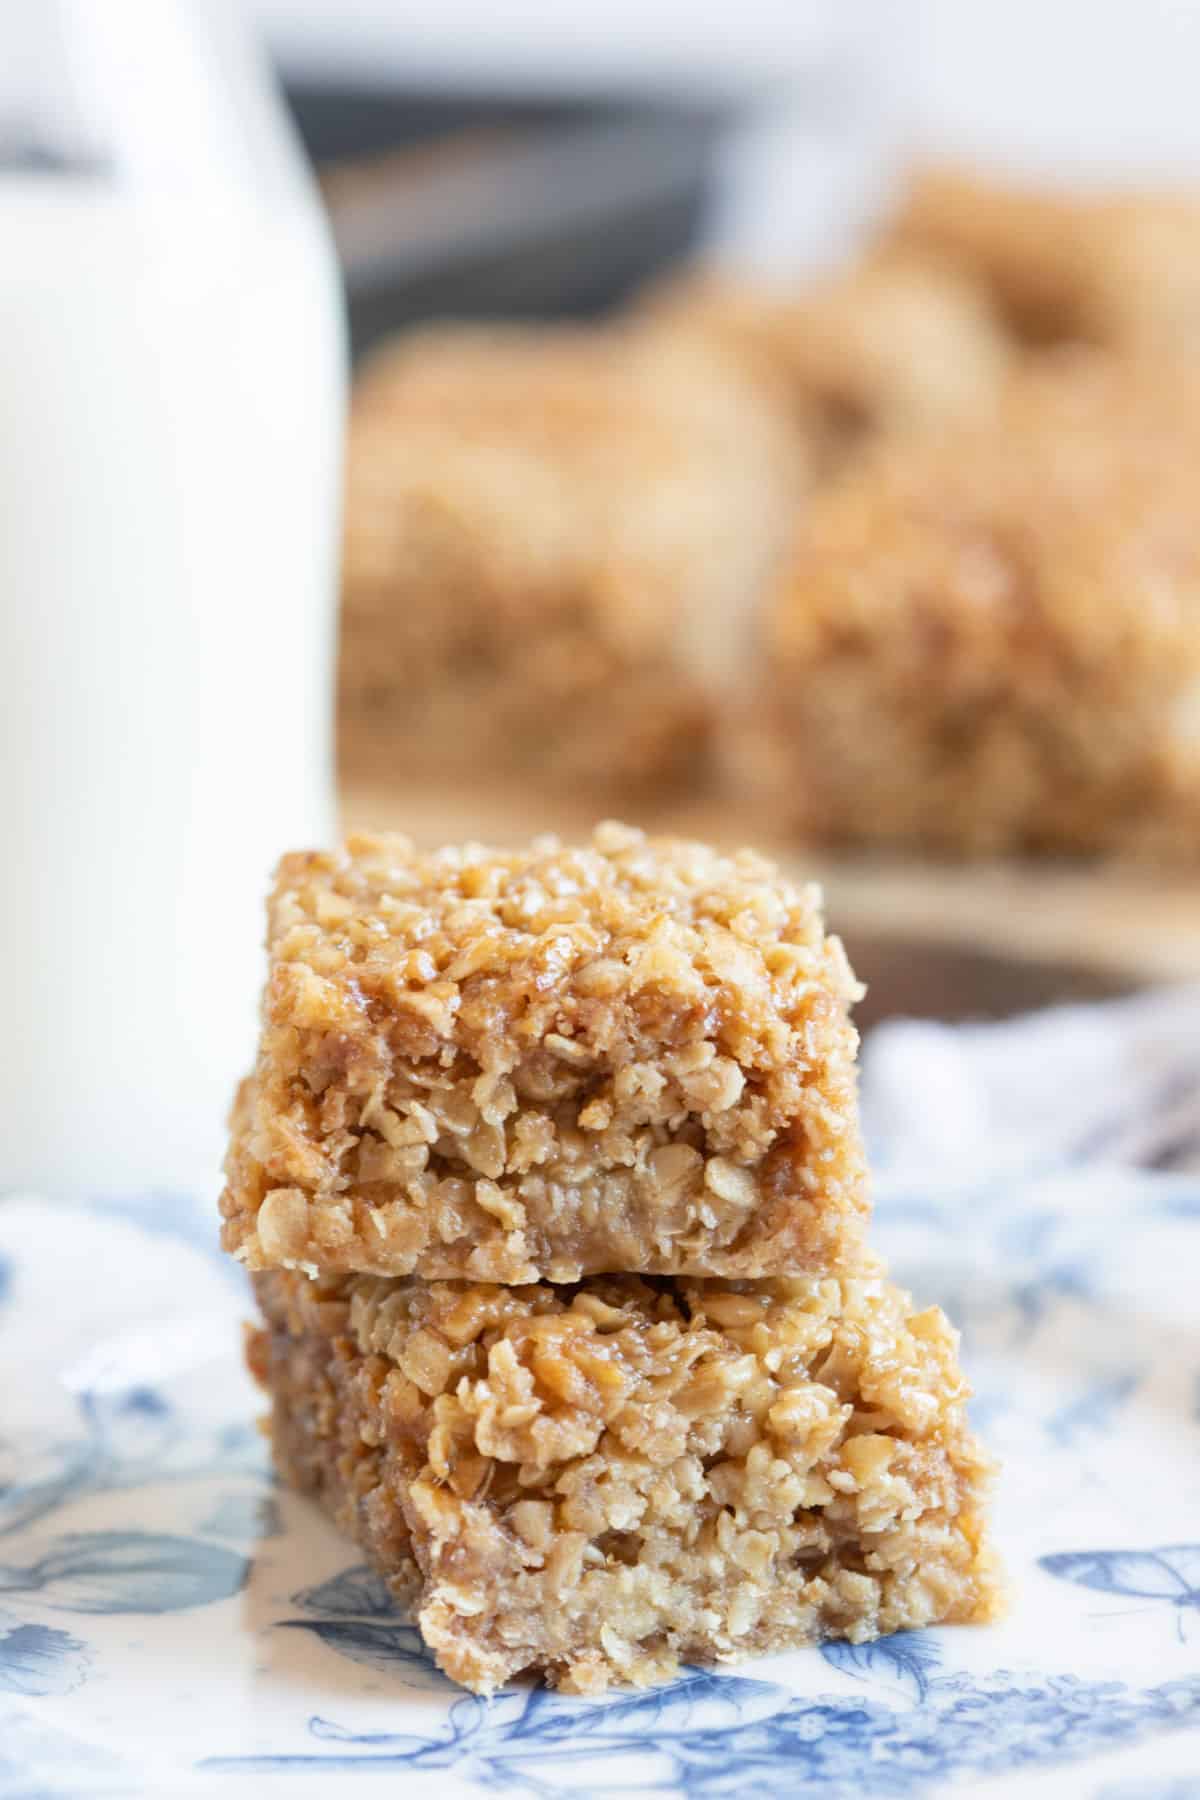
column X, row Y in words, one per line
column 164, row 100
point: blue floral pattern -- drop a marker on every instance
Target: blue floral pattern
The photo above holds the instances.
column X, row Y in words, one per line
column 909, row 1658
column 354, row 1615
column 127, row 1572
column 170, row 1619
column 715, row 1735
column 1170, row 1574
column 40, row 1659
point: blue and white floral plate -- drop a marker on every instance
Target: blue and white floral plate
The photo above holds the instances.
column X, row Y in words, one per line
column 172, row 1623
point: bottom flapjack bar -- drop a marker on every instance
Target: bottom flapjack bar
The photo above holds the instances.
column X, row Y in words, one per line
column 601, row 1482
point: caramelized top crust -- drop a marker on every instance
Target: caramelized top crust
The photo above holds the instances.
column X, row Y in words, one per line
column 551, row 959
column 551, row 1061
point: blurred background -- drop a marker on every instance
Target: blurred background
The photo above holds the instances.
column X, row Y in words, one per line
column 547, row 554
column 541, row 164
column 539, row 160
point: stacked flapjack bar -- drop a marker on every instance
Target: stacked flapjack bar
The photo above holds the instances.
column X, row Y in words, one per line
column 551, row 1172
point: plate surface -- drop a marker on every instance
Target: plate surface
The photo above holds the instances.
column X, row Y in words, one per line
column 170, row 1622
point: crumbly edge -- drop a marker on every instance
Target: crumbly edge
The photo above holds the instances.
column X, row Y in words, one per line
column 548, row 1064
column 602, row 1482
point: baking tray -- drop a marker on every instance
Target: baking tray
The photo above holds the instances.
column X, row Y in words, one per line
column 473, row 206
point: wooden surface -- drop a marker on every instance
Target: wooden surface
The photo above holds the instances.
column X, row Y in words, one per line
column 1126, row 923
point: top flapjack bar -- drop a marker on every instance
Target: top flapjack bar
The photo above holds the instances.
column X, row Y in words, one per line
column 548, row 1063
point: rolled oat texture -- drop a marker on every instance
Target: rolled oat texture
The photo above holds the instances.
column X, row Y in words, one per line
column 600, row 1483
column 541, row 1064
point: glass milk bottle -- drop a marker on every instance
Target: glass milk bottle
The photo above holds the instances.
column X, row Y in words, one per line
column 171, row 394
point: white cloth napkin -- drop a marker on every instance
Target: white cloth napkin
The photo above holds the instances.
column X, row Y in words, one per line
column 1117, row 1085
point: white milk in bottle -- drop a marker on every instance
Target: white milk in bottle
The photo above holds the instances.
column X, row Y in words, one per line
column 171, row 391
